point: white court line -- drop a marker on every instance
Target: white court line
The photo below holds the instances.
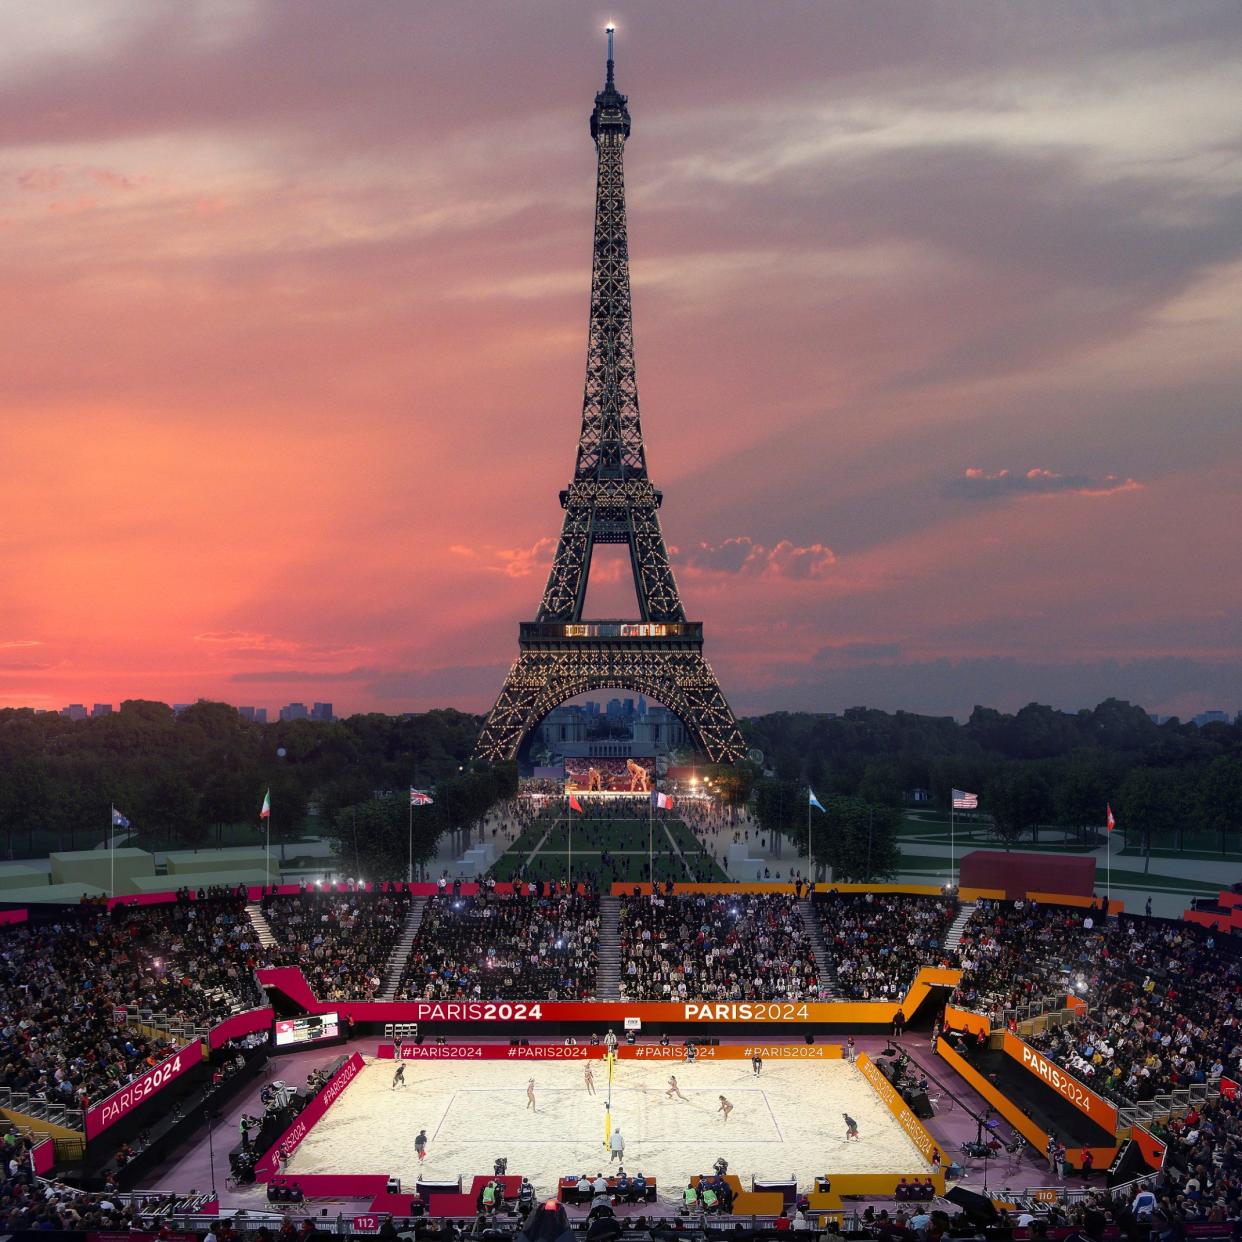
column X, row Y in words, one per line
column 776, row 1123
column 443, row 1118
column 708, row 1114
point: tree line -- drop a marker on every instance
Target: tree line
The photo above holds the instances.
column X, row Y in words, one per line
column 1032, row 769
column 180, row 778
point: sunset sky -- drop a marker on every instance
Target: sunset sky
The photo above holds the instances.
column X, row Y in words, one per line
column 938, row 311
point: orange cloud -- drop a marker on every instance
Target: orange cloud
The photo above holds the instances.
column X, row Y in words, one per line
column 979, row 484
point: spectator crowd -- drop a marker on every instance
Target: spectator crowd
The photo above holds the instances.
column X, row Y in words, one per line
column 878, row 941
column 741, row 946
column 342, row 941
column 1164, row 1012
column 65, row 987
column 530, row 943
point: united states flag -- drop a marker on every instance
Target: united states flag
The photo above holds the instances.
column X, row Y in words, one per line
column 963, row 801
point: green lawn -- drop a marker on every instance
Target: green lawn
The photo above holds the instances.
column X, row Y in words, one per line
column 623, row 868
column 626, row 842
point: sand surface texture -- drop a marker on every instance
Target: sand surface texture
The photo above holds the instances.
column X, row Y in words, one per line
column 788, row 1121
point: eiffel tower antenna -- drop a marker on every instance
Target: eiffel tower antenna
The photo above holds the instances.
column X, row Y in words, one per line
column 611, row 500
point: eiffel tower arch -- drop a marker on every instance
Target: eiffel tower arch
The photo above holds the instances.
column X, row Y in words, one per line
column 611, row 500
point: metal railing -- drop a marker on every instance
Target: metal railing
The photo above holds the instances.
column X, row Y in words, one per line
column 41, row 1110
column 1165, row 1108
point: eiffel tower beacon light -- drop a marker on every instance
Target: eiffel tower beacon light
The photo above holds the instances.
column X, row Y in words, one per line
column 611, row 500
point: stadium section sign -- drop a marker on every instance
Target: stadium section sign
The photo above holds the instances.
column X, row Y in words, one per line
column 1063, row 1082
column 123, row 1102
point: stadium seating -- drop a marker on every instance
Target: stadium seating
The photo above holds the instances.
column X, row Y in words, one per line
column 715, row 947
column 1163, row 998
column 61, row 986
column 1164, row 1016
column 505, row 946
column 878, row 941
column 1013, row 952
column 342, row 941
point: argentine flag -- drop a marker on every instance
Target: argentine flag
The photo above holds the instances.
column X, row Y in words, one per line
column 815, row 802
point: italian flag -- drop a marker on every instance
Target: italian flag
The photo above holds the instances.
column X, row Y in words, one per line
column 266, row 812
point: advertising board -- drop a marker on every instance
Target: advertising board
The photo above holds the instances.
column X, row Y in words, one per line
column 123, row 1102
column 674, row 1052
column 707, row 1014
column 916, row 1132
column 1062, row 1082
column 268, row 1165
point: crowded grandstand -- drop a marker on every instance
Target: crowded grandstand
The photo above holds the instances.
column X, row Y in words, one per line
column 1140, row 1014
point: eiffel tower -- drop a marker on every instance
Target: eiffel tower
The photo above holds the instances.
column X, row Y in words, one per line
column 611, row 500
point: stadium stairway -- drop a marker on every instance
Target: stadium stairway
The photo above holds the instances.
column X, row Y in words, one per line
column 401, row 952
column 823, row 963
column 954, row 936
column 608, row 977
column 254, row 912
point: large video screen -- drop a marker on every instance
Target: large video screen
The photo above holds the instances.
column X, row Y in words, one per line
column 308, row 1030
column 635, row 775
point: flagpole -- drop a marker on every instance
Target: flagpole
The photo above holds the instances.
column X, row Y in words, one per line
column 952, row 830
column 1108, row 874
column 650, row 840
column 267, row 844
column 112, row 850
column 571, row 848
column 409, row 870
column 810, row 864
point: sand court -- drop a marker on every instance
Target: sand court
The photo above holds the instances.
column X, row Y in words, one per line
column 787, row 1121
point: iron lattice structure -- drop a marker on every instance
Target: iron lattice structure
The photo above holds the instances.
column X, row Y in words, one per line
column 611, row 500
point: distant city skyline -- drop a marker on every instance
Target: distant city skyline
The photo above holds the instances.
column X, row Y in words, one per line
column 593, row 704
column 937, row 315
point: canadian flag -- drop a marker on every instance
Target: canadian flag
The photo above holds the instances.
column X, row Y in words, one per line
column 663, row 802
column 1110, row 821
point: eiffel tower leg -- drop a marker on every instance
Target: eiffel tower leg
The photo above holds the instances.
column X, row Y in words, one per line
column 565, row 593
column 514, row 714
column 541, row 680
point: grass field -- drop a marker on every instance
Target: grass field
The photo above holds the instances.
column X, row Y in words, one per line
column 624, row 840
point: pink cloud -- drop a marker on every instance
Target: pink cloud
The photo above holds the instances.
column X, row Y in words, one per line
column 740, row 554
column 979, row 484
column 512, row 562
